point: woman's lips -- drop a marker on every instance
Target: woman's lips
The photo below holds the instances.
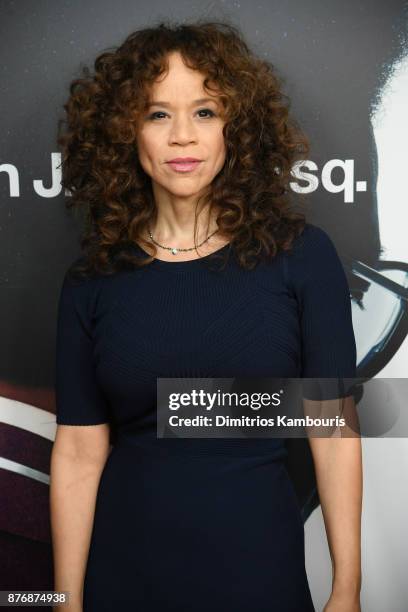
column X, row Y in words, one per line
column 184, row 166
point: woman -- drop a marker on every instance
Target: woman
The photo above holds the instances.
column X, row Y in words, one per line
column 180, row 148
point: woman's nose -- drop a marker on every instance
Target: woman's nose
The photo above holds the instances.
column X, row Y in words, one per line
column 182, row 131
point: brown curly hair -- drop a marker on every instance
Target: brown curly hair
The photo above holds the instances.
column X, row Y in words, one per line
column 100, row 165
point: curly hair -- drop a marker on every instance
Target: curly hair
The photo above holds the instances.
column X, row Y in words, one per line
column 100, row 165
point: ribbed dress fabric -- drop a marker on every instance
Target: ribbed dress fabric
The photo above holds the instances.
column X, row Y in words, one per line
column 197, row 524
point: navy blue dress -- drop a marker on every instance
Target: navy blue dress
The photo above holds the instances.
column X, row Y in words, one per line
column 193, row 525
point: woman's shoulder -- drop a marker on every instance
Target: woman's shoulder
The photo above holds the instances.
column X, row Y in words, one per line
column 77, row 273
column 313, row 246
column 313, row 238
column 313, row 257
column 76, row 287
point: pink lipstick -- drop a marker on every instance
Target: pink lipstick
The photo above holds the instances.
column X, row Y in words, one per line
column 184, row 164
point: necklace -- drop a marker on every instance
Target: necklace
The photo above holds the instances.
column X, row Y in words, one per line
column 175, row 250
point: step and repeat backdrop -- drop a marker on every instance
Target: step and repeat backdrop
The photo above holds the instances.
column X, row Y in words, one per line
column 345, row 68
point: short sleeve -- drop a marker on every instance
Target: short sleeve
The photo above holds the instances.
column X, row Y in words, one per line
column 79, row 399
column 317, row 277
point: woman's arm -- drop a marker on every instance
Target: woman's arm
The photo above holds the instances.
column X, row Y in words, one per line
column 78, row 456
column 338, row 467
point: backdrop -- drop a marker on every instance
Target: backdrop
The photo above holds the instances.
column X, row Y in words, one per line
column 345, row 67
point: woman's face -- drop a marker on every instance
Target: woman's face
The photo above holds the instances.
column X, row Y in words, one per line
column 179, row 124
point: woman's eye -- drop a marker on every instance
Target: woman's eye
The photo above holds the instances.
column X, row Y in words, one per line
column 209, row 112
column 153, row 115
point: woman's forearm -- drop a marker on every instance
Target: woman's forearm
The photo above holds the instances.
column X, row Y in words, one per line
column 338, row 467
column 73, row 487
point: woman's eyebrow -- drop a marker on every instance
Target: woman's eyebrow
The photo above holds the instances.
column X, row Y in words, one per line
column 195, row 102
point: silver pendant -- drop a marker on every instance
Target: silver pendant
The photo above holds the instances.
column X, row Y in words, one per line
column 174, row 251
